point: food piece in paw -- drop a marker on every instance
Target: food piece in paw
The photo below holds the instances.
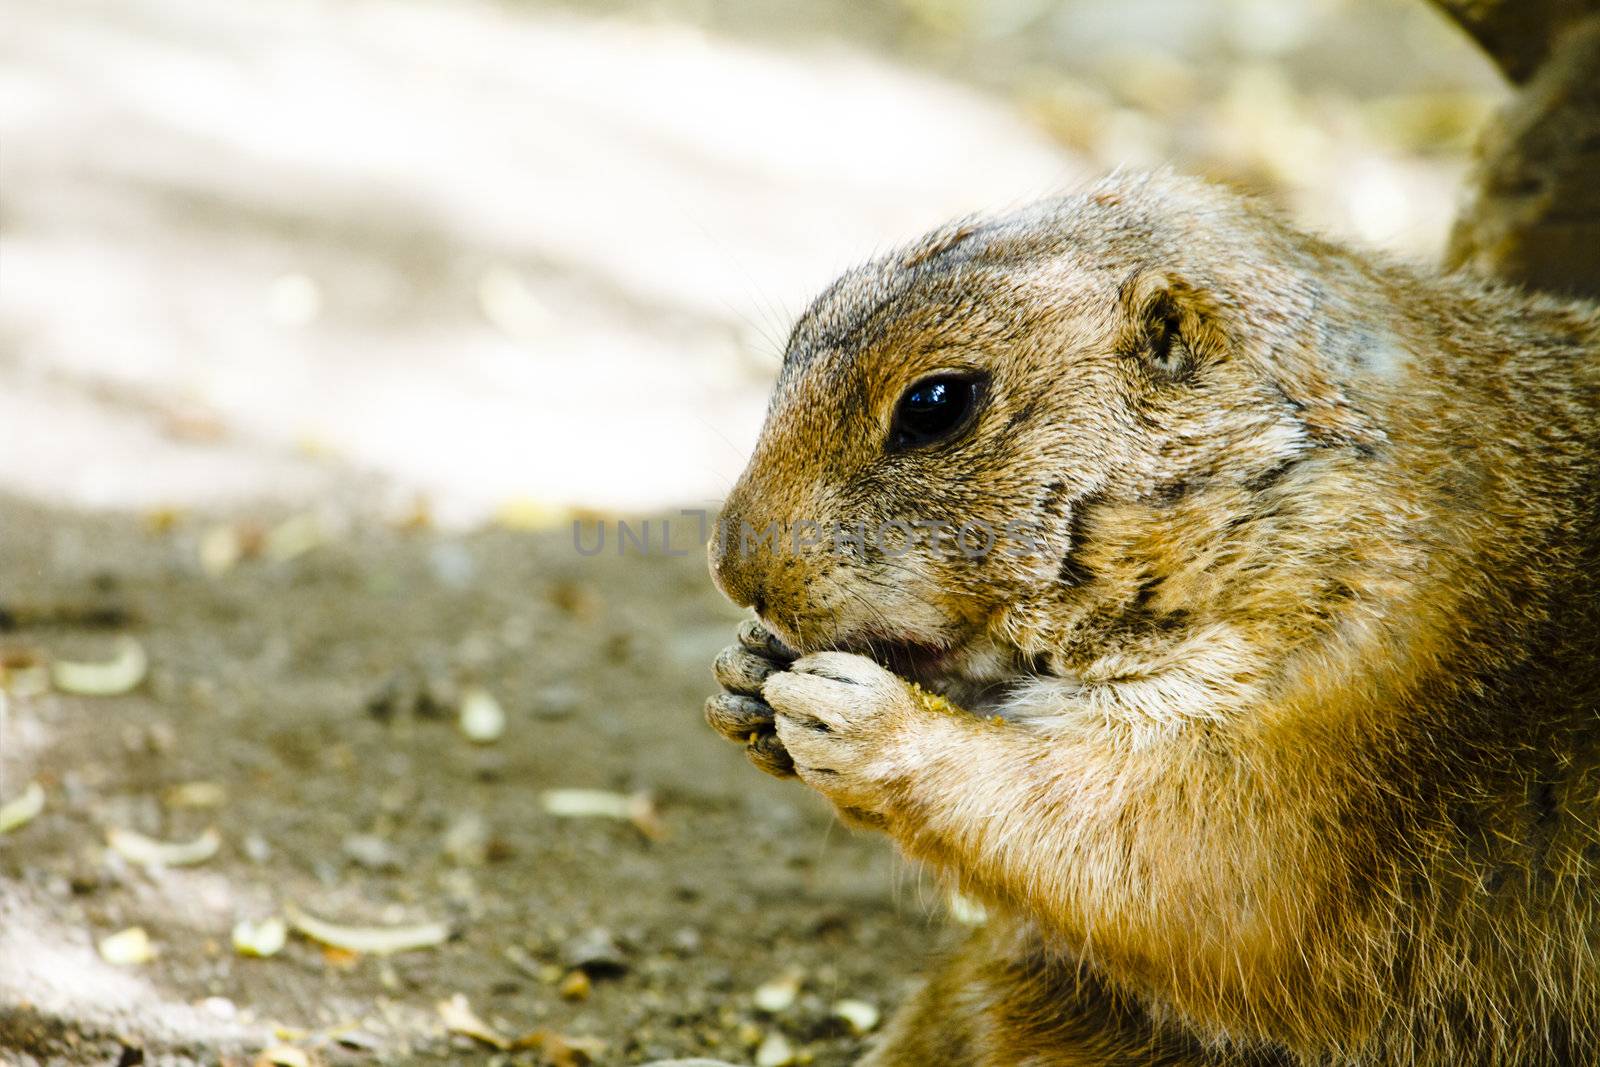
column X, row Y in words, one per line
column 931, row 701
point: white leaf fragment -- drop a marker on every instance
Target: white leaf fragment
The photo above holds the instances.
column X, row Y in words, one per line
column 127, row 948
column 260, row 939
column 283, row 1056
column 148, row 852
column 459, row 1018
column 15, row 814
column 372, row 940
column 107, row 678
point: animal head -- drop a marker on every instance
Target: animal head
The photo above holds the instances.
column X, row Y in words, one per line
column 945, row 415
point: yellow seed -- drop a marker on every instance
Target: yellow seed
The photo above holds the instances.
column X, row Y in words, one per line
column 933, row 701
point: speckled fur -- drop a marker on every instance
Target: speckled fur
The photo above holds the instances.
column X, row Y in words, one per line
column 1300, row 759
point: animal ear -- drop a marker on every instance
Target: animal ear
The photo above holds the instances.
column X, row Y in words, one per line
column 1169, row 327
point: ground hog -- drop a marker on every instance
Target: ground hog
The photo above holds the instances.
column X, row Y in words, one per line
column 1282, row 740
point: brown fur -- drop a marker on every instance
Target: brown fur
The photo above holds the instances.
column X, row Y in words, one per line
column 1300, row 751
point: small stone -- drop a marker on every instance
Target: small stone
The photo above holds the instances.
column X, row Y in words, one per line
column 372, row 852
column 438, row 694
column 778, row 995
column 775, row 1051
column 686, row 940
column 466, row 842
column 482, row 719
column 860, row 1016
column 595, row 952
column 557, row 701
column 394, row 696
column 256, row 848
column 220, row 1007
column 575, row 986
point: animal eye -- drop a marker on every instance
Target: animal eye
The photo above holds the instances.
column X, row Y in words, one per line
column 933, row 410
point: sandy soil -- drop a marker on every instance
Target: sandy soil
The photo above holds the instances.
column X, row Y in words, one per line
column 294, row 685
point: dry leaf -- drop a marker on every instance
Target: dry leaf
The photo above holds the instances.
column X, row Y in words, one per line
column 638, row 808
column 340, row 959
column 17, row 813
column 112, row 677
column 459, row 1018
column 128, row 947
column 148, row 852
column 283, row 1056
column 195, row 795
column 261, row 939
column 860, row 1016
column 371, row 940
column 559, row 1050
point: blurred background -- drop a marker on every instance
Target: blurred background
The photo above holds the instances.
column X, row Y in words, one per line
column 320, row 320
column 524, row 252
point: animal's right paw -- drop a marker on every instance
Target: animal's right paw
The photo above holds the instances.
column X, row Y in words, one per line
column 739, row 713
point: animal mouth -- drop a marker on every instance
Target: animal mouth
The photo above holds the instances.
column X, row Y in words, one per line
column 929, row 664
column 922, row 662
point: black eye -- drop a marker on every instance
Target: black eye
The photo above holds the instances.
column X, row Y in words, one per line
column 934, row 409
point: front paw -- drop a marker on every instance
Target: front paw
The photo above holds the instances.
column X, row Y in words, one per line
column 841, row 718
column 739, row 713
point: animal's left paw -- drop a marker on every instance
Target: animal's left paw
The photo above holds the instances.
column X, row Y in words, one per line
column 843, row 720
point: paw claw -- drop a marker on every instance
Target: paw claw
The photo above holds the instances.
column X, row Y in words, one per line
column 739, row 670
column 763, row 642
column 768, row 753
column 737, row 716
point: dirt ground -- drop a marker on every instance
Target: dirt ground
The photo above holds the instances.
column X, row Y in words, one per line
column 319, row 693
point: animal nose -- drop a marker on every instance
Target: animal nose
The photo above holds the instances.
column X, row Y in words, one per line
column 737, row 575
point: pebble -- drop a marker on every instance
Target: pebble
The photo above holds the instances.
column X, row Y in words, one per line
column 220, row 1007
column 466, row 842
column 775, row 1051
column 686, row 940
column 575, row 986
column 860, row 1016
column 256, row 847
column 372, row 852
column 778, row 995
column 595, row 952
column 481, row 720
